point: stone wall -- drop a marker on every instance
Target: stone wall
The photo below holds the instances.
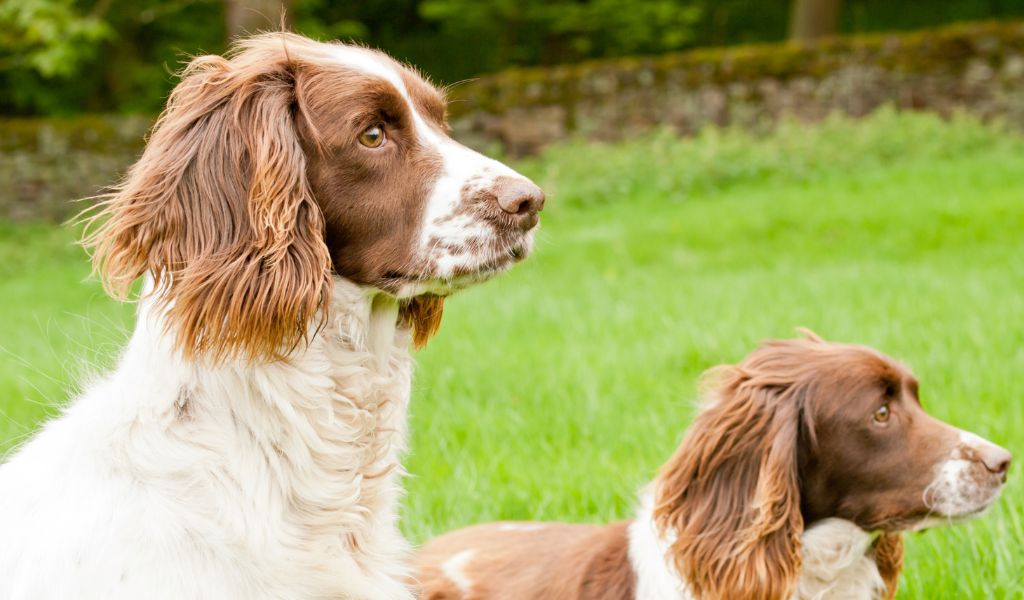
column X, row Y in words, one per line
column 44, row 164
column 47, row 164
column 978, row 67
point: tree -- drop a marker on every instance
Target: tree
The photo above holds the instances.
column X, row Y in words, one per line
column 64, row 56
column 51, row 37
column 525, row 32
column 813, row 19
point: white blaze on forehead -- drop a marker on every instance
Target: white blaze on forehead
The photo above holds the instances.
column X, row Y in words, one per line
column 454, row 570
column 371, row 63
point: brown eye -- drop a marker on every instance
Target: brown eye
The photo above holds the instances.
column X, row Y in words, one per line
column 882, row 414
column 372, row 137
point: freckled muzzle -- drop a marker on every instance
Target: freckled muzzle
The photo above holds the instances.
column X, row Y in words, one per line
column 480, row 220
column 970, row 480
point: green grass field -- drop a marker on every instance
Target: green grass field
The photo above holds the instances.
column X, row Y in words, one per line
column 556, row 391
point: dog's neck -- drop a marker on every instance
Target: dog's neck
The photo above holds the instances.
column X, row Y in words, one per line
column 312, row 441
column 836, row 561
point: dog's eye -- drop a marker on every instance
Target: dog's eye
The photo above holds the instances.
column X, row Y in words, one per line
column 372, row 137
column 882, row 414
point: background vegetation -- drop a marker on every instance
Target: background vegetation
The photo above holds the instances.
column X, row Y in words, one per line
column 71, row 56
column 555, row 391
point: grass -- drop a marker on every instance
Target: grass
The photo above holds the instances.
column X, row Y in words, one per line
column 555, row 391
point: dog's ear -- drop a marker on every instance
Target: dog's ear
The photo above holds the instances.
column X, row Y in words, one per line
column 219, row 213
column 888, row 555
column 729, row 497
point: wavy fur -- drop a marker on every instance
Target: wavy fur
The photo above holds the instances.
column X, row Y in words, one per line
column 219, row 212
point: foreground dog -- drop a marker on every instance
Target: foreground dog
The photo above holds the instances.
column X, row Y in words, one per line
column 804, row 432
column 298, row 214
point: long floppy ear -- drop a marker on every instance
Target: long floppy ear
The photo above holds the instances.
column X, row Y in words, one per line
column 219, row 212
column 729, row 497
column 888, row 555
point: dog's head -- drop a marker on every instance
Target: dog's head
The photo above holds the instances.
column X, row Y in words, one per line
column 288, row 161
column 805, row 430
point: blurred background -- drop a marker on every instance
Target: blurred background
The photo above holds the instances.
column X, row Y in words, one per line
column 718, row 172
column 85, row 78
column 74, row 56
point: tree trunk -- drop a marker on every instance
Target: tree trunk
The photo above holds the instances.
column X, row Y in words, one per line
column 813, row 19
column 249, row 16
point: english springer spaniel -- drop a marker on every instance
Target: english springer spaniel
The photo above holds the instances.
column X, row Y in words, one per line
column 298, row 216
column 795, row 481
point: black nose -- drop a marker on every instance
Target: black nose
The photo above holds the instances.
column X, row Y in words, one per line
column 521, row 199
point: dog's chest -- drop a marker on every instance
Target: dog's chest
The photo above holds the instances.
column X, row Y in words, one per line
column 314, row 464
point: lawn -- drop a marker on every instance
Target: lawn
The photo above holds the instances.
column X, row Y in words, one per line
column 555, row 391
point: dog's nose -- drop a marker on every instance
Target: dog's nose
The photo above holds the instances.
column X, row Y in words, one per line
column 521, row 199
column 996, row 459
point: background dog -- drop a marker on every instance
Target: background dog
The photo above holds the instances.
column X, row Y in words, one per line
column 796, row 479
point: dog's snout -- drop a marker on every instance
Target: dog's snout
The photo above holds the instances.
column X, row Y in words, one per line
column 995, row 458
column 521, row 199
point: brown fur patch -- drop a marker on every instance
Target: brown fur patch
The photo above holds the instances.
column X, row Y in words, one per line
column 219, row 212
column 423, row 315
column 888, row 551
column 730, row 493
column 540, row 560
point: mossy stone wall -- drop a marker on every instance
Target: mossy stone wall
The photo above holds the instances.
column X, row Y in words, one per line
column 978, row 67
column 48, row 164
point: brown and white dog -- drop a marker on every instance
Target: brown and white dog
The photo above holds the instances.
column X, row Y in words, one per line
column 298, row 215
column 796, row 480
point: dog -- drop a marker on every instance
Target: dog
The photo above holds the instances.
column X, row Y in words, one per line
column 796, row 480
column 297, row 218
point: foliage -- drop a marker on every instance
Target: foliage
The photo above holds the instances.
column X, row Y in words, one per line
column 549, row 32
column 48, row 36
column 69, row 56
column 555, row 391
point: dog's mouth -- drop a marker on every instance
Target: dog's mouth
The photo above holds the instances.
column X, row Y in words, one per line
column 933, row 520
column 928, row 519
column 428, row 280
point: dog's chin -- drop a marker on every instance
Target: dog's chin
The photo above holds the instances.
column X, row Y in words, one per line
column 935, row 520
column 929, row 520
column 443, row 282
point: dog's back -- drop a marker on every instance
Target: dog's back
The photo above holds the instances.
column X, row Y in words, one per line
column 516, row 560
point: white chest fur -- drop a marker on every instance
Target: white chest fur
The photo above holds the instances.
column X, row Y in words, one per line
column 169, row 479
column 834, row 563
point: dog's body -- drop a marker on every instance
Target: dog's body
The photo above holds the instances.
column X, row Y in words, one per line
column 801, row 433
column 169, row 481
column 298, row 215
column 624, row 561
